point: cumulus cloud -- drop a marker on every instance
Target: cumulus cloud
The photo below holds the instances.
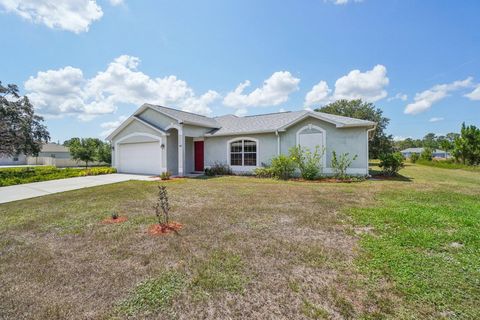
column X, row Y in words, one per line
column 71, row 15
column 369, row 86
column 398, row 96
column 340, row 2
column 424, row 100
column 274, row 91
column 318, row 95
column 67, row 92
column 116, row 2
column 436, row 119
column 475, row 94
column 110, row 126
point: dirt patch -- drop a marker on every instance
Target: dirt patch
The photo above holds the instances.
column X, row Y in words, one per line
column 161, row 229
column 111, row 220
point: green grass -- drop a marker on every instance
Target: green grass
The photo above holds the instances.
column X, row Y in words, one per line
column 251, row 248
column 222, row 271
column 447, row 164
column 426, row 242
column 153, row 295
column 13, row 176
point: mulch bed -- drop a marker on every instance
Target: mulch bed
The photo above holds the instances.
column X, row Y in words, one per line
column 161, row 229
column 110, row 220
column 326, row 180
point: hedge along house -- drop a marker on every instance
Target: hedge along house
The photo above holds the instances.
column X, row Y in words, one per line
column 156, row 139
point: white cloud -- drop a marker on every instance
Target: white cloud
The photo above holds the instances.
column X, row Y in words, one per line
column 398, row 96
column 67, row 92
column 475, row 94
column 436, row 119
column 110, row 126
column 70, row 15
column 116, row 2
column 340, row 2
column 274, row 91
column 424, row 100
column 368, row 86
column 319, row 94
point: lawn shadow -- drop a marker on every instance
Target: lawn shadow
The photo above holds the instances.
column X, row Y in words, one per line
column 378, row 175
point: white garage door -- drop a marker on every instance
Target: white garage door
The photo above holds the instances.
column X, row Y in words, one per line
column 144, row 157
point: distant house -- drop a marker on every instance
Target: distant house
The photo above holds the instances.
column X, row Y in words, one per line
column 437, row 153
column 52, row 154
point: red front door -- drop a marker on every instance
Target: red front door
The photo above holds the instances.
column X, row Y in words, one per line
column 198, row 145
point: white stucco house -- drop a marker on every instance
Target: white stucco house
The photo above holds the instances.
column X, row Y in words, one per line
column 156, row 139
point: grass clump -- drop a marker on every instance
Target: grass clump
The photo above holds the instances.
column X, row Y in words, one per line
column 154, row 295
column 313, row 311
column 223, row 271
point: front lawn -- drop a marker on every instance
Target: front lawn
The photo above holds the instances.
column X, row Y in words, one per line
column 21, row 175
column 250, row 249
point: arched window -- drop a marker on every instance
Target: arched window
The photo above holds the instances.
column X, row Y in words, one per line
column 243, row 152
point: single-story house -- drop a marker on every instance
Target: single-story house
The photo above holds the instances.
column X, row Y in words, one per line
column 51, row 154
column 156, row 139
column 437, row 153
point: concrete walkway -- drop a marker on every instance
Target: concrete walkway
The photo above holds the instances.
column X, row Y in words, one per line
column 38, row 189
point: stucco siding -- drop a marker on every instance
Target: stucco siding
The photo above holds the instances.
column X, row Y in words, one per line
column 194, row 131
column 217, row 149
column 189, row 155
column 172, row 151
column 341, row 140
column 158, row 119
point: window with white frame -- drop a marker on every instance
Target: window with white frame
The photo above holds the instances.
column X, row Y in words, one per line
column 243, row 153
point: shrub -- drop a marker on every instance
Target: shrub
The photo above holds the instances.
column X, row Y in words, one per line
column 341, row 163
column 165, row 175
column 414, row 157
column 218, row 169
column 308, row 162
column 282, row 167
column 427, row 154
column 264, row 172
column 391, row 163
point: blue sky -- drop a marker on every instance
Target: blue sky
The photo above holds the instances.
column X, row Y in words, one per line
column 88, row 64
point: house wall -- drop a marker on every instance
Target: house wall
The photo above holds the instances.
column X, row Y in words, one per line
column 172, row 151
column 156, row 118
column 341, row 140
column 22, row 159
column 189, row 155
column 217, row 149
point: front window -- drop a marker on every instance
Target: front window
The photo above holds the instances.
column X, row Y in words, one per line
column 243, row 153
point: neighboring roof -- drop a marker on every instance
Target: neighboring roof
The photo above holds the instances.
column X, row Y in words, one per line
column 54, row 147
column 186, row 117
column 231, row 124
column 420, row 150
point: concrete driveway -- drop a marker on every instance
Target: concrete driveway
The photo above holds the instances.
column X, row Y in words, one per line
column 38, row 189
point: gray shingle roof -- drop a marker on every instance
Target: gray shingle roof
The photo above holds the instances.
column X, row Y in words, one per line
column 187, row 117
column 54, row 147
column 230, row 124
column 420, row 150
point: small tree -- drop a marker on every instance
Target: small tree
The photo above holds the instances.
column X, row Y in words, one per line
column 467, row 145
column 162, row 207
column 105, row 152
column 414, row 157
column 308, row 162
column 391, row 163
column 340, row 164
column 427, row 154
column 85, row 150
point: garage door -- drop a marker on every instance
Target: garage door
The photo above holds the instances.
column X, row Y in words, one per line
column 144, row 157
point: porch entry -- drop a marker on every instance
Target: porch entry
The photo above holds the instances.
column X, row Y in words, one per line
column 198, row 155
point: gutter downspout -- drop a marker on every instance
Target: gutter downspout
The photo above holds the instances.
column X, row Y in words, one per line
column 278, row 142
column 368, row 151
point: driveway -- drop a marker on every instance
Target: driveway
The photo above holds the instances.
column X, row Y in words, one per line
column 37, row 189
